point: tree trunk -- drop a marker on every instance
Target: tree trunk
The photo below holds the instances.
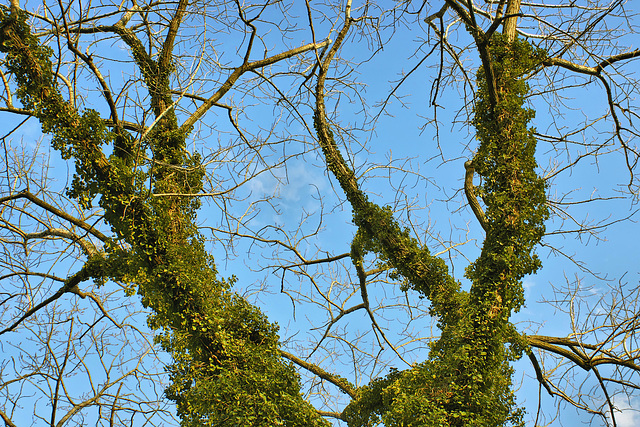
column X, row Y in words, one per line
column 513, row 7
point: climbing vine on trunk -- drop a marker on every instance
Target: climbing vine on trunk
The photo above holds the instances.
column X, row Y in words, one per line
column 466, row 379
column 227, row 367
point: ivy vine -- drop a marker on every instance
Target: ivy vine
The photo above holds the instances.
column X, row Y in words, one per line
column 467, row 378
column 227, row 368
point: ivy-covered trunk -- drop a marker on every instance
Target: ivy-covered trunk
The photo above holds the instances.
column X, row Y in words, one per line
column 515, row 200
column 466, row 379
column 227, row 368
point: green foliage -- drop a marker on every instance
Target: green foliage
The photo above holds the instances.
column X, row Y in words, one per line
column 75, row 136
column 432, row 394
column 227, row 369
column 380, row 233
column 467, row 378
column 513, row 193
column 372, row 402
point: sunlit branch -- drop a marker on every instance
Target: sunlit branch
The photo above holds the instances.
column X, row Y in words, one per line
column 88, row 247
column 166, row 54
column 593, row 71
column 238, row 72
column 539, row 373
column 335, row 320
column 576, row 355
column 87, row 60
column 6, row 419
column 481, row 41
column 603, row 387
column 70, row 285
column 331, row 414
column 471, row 196
column 58, row 212
column 338, row 381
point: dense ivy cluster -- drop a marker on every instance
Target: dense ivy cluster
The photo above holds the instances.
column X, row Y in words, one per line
column 378, row 232
column 515, row 197
column 227, row 369
column 467, row 378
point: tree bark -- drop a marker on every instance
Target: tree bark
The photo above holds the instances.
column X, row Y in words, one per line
column 510, row 22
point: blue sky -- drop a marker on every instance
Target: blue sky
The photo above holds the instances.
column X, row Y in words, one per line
column 404, row 132
column 407, row 162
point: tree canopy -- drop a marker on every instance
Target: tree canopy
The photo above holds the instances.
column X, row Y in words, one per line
column 302, row 214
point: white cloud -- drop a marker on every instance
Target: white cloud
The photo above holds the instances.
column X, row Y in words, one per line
column 293, row 193
column 528, row 284
column 295, row 183
column 627, row 415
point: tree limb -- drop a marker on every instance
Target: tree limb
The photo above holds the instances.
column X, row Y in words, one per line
column 70, row 285
column 239, row 71
column 593, row 71
column 471, row 195
column 338, row 381
column 75, row 221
